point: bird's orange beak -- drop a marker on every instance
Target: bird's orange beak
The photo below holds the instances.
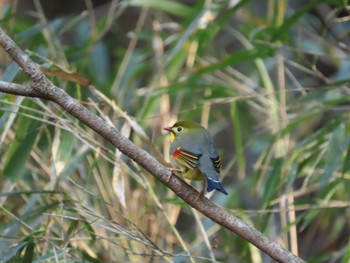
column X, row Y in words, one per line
column 168, row 129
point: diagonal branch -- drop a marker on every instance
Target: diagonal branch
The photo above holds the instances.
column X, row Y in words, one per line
column 44, row 88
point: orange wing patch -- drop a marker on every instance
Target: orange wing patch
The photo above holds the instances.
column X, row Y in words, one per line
column 191, row 159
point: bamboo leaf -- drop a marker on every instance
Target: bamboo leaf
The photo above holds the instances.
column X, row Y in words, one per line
column 29, row 252
column 338, row 142
column 20, row 149
column 168, row 6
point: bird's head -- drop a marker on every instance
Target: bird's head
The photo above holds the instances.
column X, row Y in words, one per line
column 181, row 128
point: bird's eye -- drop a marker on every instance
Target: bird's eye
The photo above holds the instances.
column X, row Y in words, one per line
column 179, row 129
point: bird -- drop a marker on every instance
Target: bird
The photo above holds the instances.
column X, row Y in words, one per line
column 193, row 152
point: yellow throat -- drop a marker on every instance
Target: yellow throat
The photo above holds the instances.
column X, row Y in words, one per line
column 172, row 136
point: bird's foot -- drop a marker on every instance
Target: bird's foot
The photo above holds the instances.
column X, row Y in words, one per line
column 172, row 169
column 200, row 194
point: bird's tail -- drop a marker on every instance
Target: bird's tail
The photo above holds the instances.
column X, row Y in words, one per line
column 215, row 184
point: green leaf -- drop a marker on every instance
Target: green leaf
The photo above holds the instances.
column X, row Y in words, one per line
column 271, row 185
column 13, row 252
column 73, row 163
column 88, row 258
column 346, row 257
column 207, row 36
column 62, row 152
column 235, row 59
column 10, row 72
column 52, row 257
column 292, row 20
column 29, row 252
column 71, row 230
column 309, row 218
column 19, row 152
column 346, row 163
column 32, row 192
column 238, row 137
column 292, row 176
column 171, row 7
column 91, row 231
column 338, row 142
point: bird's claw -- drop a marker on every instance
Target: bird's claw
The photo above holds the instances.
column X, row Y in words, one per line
column 200, row 194
column 172, row 169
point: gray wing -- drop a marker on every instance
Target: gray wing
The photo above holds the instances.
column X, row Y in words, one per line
column 213, row 153
column 195, row 146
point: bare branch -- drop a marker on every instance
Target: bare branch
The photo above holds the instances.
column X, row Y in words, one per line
column 21, row 90
column 44, row 86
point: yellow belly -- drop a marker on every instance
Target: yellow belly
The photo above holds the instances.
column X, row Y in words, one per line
column 190, row 174
column 193, row 174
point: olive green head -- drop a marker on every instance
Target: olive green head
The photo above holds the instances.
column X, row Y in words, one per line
column 181, row 128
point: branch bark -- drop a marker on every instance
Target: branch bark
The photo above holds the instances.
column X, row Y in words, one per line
column 42, row 87
column 21, row 90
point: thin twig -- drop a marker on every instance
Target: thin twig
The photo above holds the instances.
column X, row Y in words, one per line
column 21, row 90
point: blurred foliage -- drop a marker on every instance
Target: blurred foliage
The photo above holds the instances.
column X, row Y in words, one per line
column 269, row 79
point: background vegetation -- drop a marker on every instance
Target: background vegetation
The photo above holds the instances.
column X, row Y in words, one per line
column 268, row 78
